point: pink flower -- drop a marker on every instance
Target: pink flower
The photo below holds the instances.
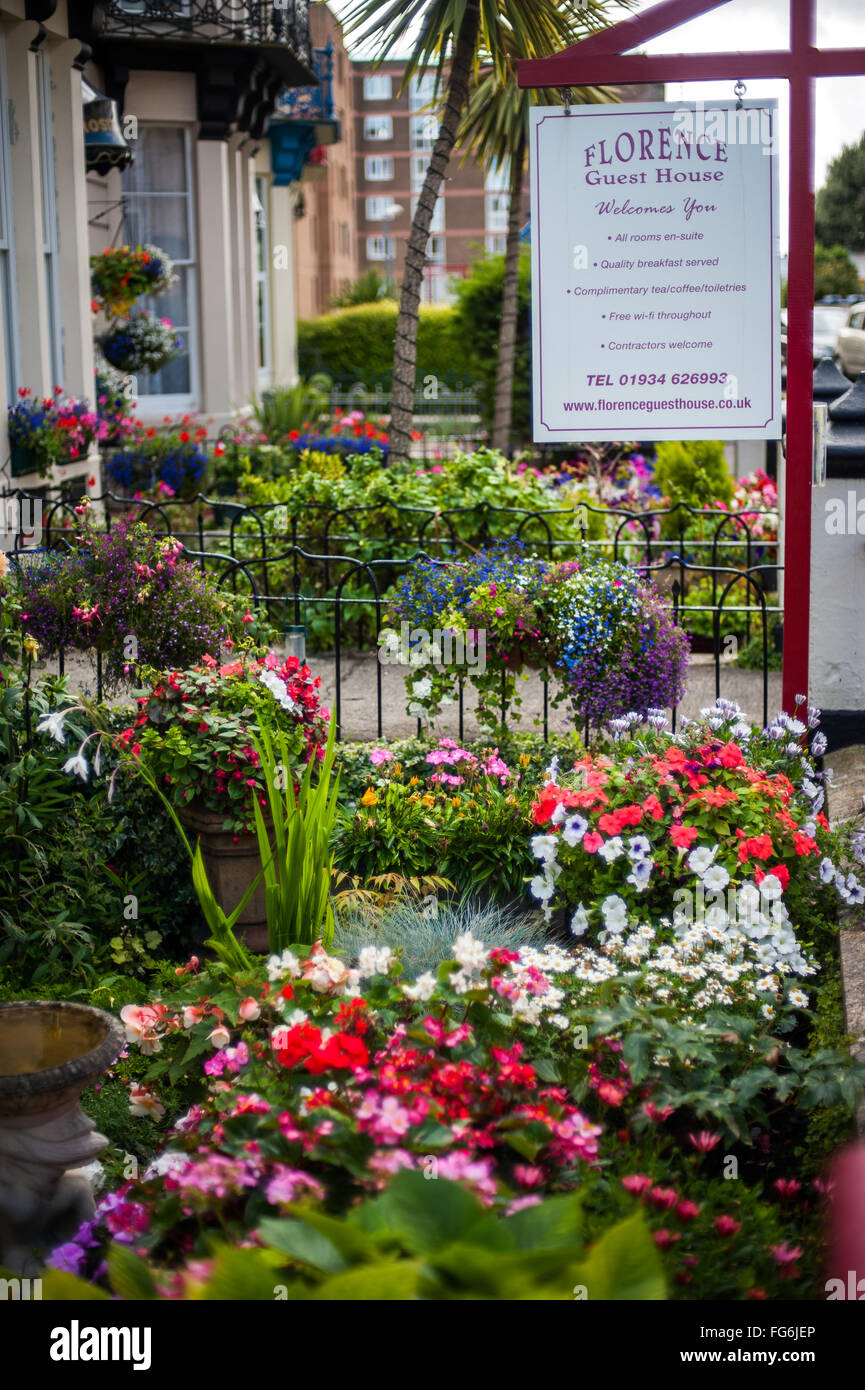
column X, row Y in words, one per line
column 664, row 1198
column 220, row 1037
column 665, row 1238
column 727, row 1225
column 786, row 1188
column 380, row 755
column 592, row 841
column 785, row 1254
column 636, row 1184
column 704, row 1141
column 144, row 1101
column 686, row 1211
column 249, row 1010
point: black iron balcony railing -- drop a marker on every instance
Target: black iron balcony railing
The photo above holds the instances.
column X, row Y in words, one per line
column 218, row 22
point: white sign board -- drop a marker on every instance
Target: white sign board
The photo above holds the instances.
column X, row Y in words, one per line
column 655, row 285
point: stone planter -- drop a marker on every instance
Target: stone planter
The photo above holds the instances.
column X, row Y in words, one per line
column 231, row 868
column 49, row 1053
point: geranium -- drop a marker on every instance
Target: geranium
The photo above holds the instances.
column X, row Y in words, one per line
column 56, row 429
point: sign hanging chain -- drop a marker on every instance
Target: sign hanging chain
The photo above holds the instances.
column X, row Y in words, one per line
column 739, row 91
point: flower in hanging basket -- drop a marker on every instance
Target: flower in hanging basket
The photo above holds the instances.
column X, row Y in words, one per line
column 53, row 429
column 140, row 343
column 121, row 274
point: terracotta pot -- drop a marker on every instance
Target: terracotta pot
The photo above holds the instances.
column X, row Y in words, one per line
column 231, row 869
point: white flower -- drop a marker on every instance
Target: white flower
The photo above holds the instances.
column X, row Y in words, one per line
column 53, row 724
column 374, row 960
column 77, row 765
column 768, row 1011
column 611, row 849
column 553, row 770
column 638, row 847
column 280, row 966
column 579, row 921
column 422, row 688
column 771, row 887
column 544, row 847
column 700, row 858
column 423, row 988
column 715, row 879
column 220, row 1036
column 798, row 998
column 541, row 887
column 469, row 953
column 827, row 870
column 574, row 830
column 640, row 874
column 615, row 913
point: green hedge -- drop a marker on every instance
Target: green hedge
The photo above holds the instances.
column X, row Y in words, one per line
column 356, row 345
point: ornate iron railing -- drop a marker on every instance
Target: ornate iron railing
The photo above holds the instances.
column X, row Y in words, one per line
column 208, row 21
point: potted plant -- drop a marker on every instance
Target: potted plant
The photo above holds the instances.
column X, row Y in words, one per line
column 121, row 274
column 50, row 430
column 195, row 733
column 141, row 343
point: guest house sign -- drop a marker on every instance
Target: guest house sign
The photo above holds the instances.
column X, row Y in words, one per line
column 655, row 286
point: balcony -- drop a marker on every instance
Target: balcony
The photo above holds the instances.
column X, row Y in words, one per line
column 243, row 52
column 302, row 124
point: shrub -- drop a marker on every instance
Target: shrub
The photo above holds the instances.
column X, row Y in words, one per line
column 694, row 473
column 356, row 345
column 477, row 316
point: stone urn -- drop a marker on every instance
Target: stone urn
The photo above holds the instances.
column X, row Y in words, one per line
column 232, row 862
column 49, row 1053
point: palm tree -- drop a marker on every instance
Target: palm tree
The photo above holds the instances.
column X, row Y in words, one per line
column 495, row 128
column 447, row 35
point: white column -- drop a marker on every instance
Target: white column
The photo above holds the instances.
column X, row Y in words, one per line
column 74, row 239
column 283, row 304
column 27, row 206
column 216, row 282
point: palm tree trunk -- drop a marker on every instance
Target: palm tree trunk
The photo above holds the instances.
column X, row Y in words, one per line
column 501, row 436
column 405, row 346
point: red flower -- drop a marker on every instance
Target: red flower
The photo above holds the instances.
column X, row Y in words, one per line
column 686, row 1211
column 781, row 872
column 592, row 842
column 683, row 836
column 730, row 755
column 786, row 1187
column 653, row 807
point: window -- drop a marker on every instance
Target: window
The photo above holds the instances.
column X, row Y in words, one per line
column 157, row 191
column 424, row 132
column 8, row 297
column 495, row 243
column 438, row 218
column 498, row 178
column 377, row 209
column 497, row 212
column 435, row 251
column 377, row 168
column 344, row 239
column 419, row 165
column 378, row 128
column 380, row 248
column 260, row 203
column 377, row 88
column 50, row 246
column 421, row 90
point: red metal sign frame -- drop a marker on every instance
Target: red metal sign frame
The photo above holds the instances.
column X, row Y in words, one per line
column 604, row 58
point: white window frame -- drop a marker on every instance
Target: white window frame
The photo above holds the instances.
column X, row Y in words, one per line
column 375, row 209
column 419, row 166
column 8, row 289
column 421, row 90
column 378, row 86
column 424, row 131
column 372, row 161
column 436, row 250
column 495, row 243
column 378, row 127
column 261, row 225
column 172, row 403
column 50, row 226
column 497, row 211
column 438, row 218
column 380, row 248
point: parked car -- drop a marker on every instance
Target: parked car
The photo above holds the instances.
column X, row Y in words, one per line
column 829, row 320
column 850, row 352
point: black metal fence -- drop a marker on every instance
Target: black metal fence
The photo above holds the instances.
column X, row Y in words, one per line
column 296, row 567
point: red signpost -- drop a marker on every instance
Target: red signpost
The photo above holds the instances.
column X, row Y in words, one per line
column 605, row 58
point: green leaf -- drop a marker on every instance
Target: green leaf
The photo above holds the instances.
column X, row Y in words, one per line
column 303, row 1243
column 388, row 1281
column 128, row 1275
column 60, row 1287
column 428, row 1213
column 624, row 1266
